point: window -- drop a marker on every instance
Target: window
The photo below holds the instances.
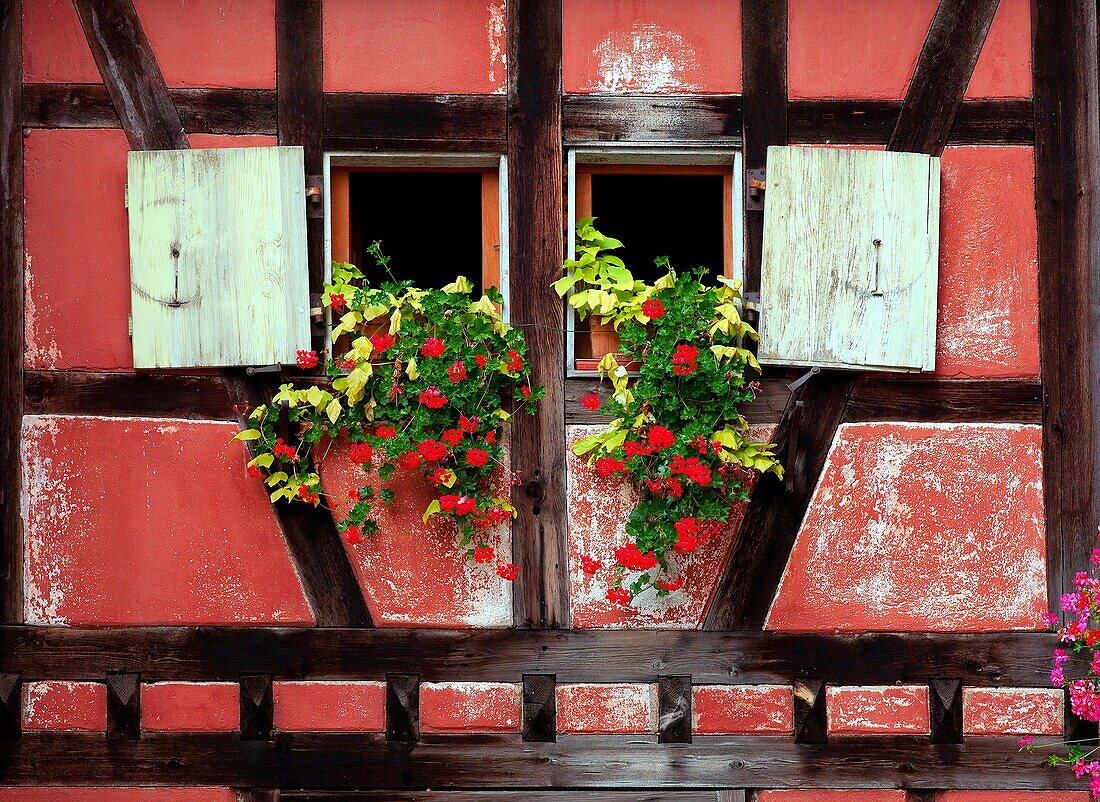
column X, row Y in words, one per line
column 437, row 217
column 648, row 199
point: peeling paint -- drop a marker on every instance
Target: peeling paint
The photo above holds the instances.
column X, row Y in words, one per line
column 64, row 705
column 1013, row 711
column 612, row 708
column 891, row 709
column 923, row 527
column 317, row 706
column 470, row 707
column 742, row 709
column 818, row 795
column 1013, row 796
column 87, row 794
column 647, row 59
column 498, row 50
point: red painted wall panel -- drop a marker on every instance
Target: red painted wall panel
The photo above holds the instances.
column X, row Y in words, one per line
column 889, row 710
column 431, row 46
column 742, row 710
column 191, row 707
column 330, row 706
column 470, row 707
column 62, row 705
column 54, row 47
column 869, row 49
column 117, row 795
column 1013, row 711
column 832, row 796
column 612, row 708
column 140, row 521
column 651, row 46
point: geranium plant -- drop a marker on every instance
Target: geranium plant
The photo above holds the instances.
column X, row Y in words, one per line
column 425, row 383
column 678, row 433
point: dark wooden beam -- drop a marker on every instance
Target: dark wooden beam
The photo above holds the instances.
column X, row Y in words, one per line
column 946, row 707
column 630, row 795
column 149, row 395
column 131, row 74
column 257, row 707
column 540, row 707
column 943, row 72
column 946, row 400
column 674, row 710
column 711, row 119
column 540, row 596
column 357, row 115
column 123, row 706
column 811, row 715
column 11, row 706
column 752, row 658
column 402, row 707
column 1067, row 170
column 767, row 408
column 366, row 761
column 12, row 291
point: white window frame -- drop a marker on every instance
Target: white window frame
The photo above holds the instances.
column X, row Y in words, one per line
column 664, row 154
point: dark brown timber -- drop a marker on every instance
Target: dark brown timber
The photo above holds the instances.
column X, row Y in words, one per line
column 11, row 706
column 535, row 231
column 540, row 709
column 369, row 761
column 945, row 400
column 945, row 701
column 155, row 395
column 713, row 119
column 11, row 308
column 943, row 71
column 123, row 706
column 674, row 710
column 752, row 658
column 402, row 707
column 358, row 115
column 257, row 707
column 1067, row 161
column 811, row 723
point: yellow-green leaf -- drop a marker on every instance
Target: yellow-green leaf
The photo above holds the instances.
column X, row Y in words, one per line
column 333, row 410
column 433, row 509
column 248, row 434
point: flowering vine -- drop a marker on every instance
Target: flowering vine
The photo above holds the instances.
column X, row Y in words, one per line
column 678, row 433
column 421, row 381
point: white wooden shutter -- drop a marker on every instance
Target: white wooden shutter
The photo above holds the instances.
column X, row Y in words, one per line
column 850, row 260
column 218, row 262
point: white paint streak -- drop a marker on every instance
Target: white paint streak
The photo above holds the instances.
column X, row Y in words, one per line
column 498, row 55
column 645, row 59
column 41, row 349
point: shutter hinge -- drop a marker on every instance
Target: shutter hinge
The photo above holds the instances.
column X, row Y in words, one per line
column 754, row 192
column 125, row 196
column 314, row 207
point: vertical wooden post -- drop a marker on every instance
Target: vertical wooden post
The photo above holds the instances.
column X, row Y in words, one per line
column 11, row 706
column 1067, row 166
column 12, row 291
column 811, row 722
column 945, row 704
column 402, row 707
column 536, row 238
column 540, row 711
column 257, row 707
column 674, row 710
column 123, row 706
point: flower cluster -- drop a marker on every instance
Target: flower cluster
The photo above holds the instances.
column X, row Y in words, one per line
column 420, row 381
column 678, row 434
column 1077, row 670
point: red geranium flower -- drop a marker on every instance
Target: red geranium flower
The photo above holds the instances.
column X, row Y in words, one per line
column 457, row 505
column 490, row 437
column 591, row 402
column 410, row 460
column 361, row 453
column 606, row 466
column 476, row 458
column 452, row 437
column 456, row 372
column 338, row 302
column 660, row 438
column 283, row 451
column 631, row 558
column 481, row 360
column 590, row 566
column 669, row 587
column 507, row 571
column 526, row 391
column 515, row 361
column 433, row 347
column 483, row 554
column 432, row 398
column 385, row 431
column 683, row 361
column 653, row 309
column 382, row 342
column 307, row 359
column 619, row 596
column 253, row 472
column 353, row 534
column 468, row 424
column 432, row 450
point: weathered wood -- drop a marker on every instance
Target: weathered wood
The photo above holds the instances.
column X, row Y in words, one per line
column 123, row 706
column 261, row 795
column 147, row 395
column 540, row 595
column 767, row 408
column 871, row 122
column 945, row 400
column 131, row 74
column 11, row 706
column 770, row 526
column 811, row 724
column 850, row 259
column 946, row 705
column 1067, row 170
column 218, row 265
column 368, row 761
column 754, row 658
column 257, row 707
column 712, row 119
column 402, row 707
column 12, row 292
column 382, row 116
column 674, row 710
column 540, row 707
column 942, row 74
column 512, row 796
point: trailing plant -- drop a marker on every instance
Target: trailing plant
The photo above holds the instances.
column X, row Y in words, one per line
column 424, row 383
column 1077, row 671
column 678, row 434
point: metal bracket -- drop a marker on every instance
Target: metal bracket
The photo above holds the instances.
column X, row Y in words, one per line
column 756, row 184
column 314, row 196
column 252, row 370
column 805, row 377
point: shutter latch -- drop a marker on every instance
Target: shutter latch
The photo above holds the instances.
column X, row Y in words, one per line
column 314, row 207
column 754, row 197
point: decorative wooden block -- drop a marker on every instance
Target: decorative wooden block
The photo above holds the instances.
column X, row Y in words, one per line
column 945, row 703
column 218, row 262
column 850, row 259
column 540, row 717
column 674, row 710
column 402, row 707
column 811, row 724
column 11, row 706
column 123, row 706
column 257, row 707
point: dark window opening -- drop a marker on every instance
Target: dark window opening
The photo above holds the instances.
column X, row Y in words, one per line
column 430, row 224
column 678, row 216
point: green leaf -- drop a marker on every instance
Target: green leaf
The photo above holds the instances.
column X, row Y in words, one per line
column 433, row 509
column 248, row 434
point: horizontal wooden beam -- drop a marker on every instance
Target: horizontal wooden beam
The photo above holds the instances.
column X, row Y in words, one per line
column 715, row 119
column 358, row 115
column 620, row 795
column 224, row 653
column 149, row 395
column 767, row 407
column 333, row 761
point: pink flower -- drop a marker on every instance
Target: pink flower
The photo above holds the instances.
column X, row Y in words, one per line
column 433, row 347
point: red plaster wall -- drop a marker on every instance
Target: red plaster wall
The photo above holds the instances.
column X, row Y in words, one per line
column 927, row 527
column 191, row 707
column 330, row 706
column 869, row 48
column 470, row 707
column 651, row 46
column 141, row 521
column 1013, row 796
column 432, row 46
column 54, row 47
column 1013, row 711
column 612, row 708
column 742, row 710
column 62, row 705
column 831, row 796
column 117, row 795
column 889, row 710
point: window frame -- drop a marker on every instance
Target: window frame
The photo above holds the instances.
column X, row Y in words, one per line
column 664, row 155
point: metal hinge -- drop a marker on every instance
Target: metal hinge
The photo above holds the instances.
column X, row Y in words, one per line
column 755, row 188
column 314, row 207
column 125, row 196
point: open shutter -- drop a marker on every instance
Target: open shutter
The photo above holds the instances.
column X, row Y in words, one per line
column 850, row 259
column 218, row 262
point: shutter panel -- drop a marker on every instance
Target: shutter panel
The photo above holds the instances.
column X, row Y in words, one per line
column 849, row 266
column 218, row 262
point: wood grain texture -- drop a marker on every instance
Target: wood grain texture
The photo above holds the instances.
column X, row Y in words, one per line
column 811, row 723
column 428, row 117
column 131, row 74
column 942, row 74
column 850, row 262
column 753, row 658
column 12, row 291
column 945, row 701
column 144, row 395
column 257, row 707
column 712, row 119
column 366, row 761
column 1067, row 171
column 535, row 202
column 674, row 710
column 767, row 408
column 945, row 400
column 218, row 263
column 11, row 706
column 123, row 706
column 402, row 707
column 540, row 708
